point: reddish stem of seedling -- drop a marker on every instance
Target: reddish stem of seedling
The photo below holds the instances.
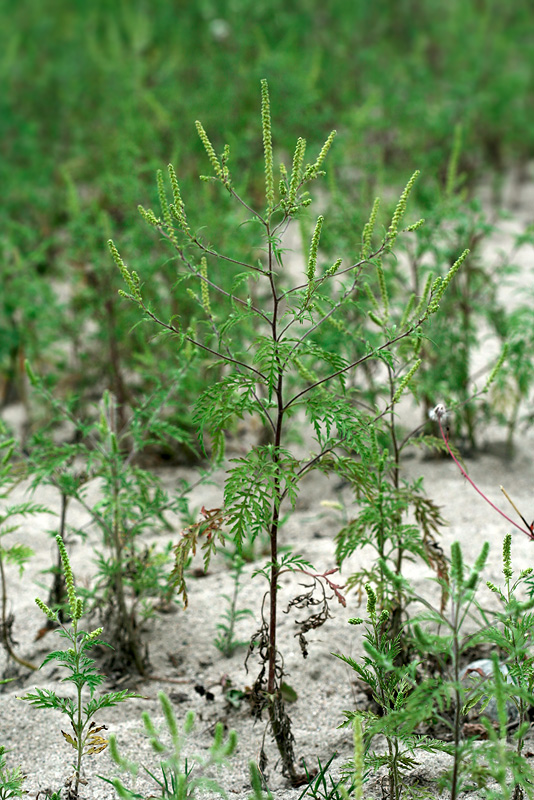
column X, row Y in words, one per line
column 475, row 487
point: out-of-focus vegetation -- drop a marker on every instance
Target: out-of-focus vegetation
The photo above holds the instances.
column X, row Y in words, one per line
column 98, row 95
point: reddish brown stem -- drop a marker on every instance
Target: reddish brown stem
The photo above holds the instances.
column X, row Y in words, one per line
column 528, row 532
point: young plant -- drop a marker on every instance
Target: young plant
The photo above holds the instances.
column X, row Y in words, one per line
column 318, row 786
column 225, row 640
column 11, row 780
column 437, row 696
column 511, row 771
column 257, row 784
column 424, row 698
column 275, row 366
column 181, row 778
column 86, row 738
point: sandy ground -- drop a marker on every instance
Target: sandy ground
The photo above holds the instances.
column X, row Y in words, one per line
column 181, row 645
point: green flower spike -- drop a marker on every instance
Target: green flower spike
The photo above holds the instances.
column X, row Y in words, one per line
column 208, row 147
column 296, row 171
column 69, row 578
column 368, row 231
column 44, row 608
column 204, row 288
column 405, row 381
column 267, row 145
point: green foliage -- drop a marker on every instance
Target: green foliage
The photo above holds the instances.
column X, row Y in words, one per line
column 11, row 780
column 514, row 382
column 89, row 111
column 382, row 523
column 513, row 636
column 322, row 789
column 256, row 782
column 181, row 777
column 408, row 699
column 102, row 69
column 393, row 516
column 86, row 738
column 448, row 353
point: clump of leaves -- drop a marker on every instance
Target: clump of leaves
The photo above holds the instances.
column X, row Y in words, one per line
column 181, row 777
column 11, row 780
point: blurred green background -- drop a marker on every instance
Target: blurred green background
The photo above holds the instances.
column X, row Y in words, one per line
column 97, row 95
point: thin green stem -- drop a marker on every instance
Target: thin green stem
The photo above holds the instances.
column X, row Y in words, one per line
column 79, row 722
column 457, row 702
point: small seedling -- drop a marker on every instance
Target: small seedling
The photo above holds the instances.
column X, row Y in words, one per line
column 86, row 737
column 180, row 777
column 321, row 785
column 226, row 640
column 256, row 782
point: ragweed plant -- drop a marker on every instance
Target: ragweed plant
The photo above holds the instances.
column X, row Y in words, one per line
column 438, row 697
column 449, row 353
column 275, row 365
column 181, row 777
column 85, row 736
column 448, row 699
column 502, row 764
column 443, row 699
